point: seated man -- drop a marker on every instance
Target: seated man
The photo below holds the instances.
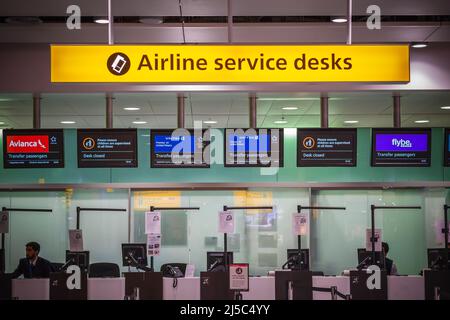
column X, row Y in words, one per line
column 32, row 266
column 391, row 268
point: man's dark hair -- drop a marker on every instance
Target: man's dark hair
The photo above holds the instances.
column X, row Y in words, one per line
column 34, row 245
column 385, row 247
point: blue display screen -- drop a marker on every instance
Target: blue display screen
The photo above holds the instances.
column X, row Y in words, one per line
column 249, row 143
column 166, row 143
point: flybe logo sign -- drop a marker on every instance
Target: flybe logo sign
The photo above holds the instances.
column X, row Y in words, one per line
column 27, row 144
column 402, row 143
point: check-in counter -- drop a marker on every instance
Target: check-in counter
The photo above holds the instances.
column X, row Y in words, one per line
column 406, row 288
column 261, row 288
column 106, row 288
column 31, row 289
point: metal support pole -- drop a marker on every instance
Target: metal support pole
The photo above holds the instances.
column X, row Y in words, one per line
column 109, row 111
column 180, row 115
column 349, row 21
column 230, row 21
column 324, row 112
column 397, row 111
column 37, row 111
column 252, row 112
column 446, row 207
column 110, row 24
column 225, row 250
column 78, row 217
column 372, row 236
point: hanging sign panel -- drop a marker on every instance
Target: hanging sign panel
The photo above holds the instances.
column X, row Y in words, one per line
column 401, row 147
column 326, row 147
column 230, row 63
column 33, row 148
column 107, row 148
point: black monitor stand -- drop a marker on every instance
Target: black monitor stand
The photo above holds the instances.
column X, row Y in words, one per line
column 60, row 291
column 293, row 285
column 143, row 285
column 215, row 286
column 359, row 289
column 437, row 284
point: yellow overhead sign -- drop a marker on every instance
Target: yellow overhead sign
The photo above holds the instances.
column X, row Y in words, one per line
column 229, row 63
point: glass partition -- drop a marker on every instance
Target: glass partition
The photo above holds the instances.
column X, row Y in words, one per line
column 261, row 237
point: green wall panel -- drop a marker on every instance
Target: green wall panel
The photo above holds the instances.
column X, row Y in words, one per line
column 217, row 173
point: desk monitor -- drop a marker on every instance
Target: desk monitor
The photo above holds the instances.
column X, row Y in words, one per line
column 365, row 259
column 216, row 260
column 298, row 261
column 79, row 258
column 134, row 254
column 436, row 259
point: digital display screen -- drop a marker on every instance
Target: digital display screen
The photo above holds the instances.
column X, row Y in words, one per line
column 179, row 148
column 107, row 148
column 447, row 148
column 253, row 147
column 401, row 147
column 33, row 148
column 326, row 147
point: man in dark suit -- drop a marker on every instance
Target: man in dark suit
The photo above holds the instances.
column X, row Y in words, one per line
column 391, row 268
column 32, row 266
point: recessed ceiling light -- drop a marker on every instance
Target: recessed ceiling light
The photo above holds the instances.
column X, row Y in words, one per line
column 280, row 122
column 419, row 45
column 339, row 20
column 422, row 121
column 139, row 122
column 101, row 21
column 151, row 20
column 131, row 108
column 351, row 121
column 67, row 122
column 445, row 108
column 209, row 122
column 290, row 108
column 1, row 123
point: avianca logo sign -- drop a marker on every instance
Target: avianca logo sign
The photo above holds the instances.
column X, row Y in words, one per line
column 27, row 144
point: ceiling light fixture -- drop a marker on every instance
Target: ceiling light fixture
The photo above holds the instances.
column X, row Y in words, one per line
column 445, row 108
column 131, row 108
column 351, row 121
column 67, row 122
column 339, row 20
column 419, row 45
column 101, row 21
column 282, row 121
column 209, row 122
column 139, row 122
column 422, row 121
column 290, row 108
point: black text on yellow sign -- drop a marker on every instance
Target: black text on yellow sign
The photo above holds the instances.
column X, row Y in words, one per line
column 229, row 63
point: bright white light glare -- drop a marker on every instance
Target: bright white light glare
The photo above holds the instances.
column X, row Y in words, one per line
column 139, row 122
column 419, row 45
column 339, row 20
column 131, row 108
column 1, row 123
column 445, row 108
column 280, row 122
column 351, row 121
column 422, row 121
column 290, row 108
column 101, row 21
column 209, row 122
column 67, row 122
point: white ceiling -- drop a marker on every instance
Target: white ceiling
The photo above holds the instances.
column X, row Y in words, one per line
column 219, row 7
column 229, row 110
